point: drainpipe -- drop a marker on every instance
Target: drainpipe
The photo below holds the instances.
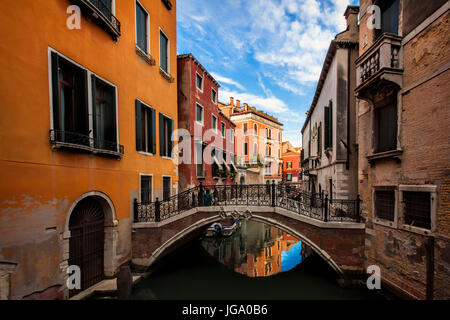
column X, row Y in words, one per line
column 349, row 51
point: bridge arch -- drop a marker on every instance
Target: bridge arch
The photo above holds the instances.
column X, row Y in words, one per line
column 167, row 246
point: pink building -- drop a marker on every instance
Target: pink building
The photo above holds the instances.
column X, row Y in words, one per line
column 211, row 133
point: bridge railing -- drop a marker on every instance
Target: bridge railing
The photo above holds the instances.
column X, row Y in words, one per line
column 286, row 196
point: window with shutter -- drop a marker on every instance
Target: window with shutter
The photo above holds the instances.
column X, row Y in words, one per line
column 319, row 140
column 163, row 52
column 145, row 128
column 70, row 102
column 386, row 125
column 146, row 189
column 165, row 136
column 328, row 125
column 167, row 181
column 104, row 113
column 141, row 28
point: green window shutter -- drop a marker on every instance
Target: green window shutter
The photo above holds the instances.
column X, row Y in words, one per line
column 331, row 124
column 111, row 117
column 139, row 142
column 55, row 92
column 327, row 127
column 82, row 100
column 153, row 132
column 94, row 108
column 161, row 135
column 169, row 138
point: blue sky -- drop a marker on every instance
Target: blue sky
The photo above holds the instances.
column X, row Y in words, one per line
column 267, row 53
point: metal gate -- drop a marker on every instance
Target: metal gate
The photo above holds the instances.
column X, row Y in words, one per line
column 87, row 238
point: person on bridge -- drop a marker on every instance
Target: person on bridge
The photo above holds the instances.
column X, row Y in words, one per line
column 207, row 199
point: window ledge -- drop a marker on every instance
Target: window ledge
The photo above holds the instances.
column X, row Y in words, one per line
column 145, row 56
column 88, row 149
column 166, row 76
column 417, row 230
column 393, row 154
column 385, row 223
column 146, row 153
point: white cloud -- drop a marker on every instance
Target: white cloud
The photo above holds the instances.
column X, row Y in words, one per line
column 271, row 105
column 226, row 80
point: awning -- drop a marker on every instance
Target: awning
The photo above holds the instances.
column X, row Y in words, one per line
column 233, row 166
column 217, row 161
column 254, row 170
column 226, row 165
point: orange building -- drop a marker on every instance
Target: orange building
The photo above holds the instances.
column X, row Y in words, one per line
column 291, row 163
column 267, row 261
column 88, row 103
column 258, row 140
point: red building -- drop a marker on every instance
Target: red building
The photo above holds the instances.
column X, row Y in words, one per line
column 292, row 172
column 208, row 156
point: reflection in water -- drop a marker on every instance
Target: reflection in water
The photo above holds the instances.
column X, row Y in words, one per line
column 258, row 250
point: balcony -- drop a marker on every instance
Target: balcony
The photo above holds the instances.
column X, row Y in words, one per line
column 76, row 141
column 100, row 13
column 381, row 63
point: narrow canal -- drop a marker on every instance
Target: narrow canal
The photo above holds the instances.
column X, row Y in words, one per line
column 258, row 261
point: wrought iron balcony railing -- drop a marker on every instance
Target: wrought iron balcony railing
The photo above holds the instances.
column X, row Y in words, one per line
column 286, row 196
column 102, row 14
column 73, row 140
column 383, row 59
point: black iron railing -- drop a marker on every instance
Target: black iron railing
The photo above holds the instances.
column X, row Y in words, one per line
column 74, row 140
column 286, row 196
column 102, row 13
column 107, row 13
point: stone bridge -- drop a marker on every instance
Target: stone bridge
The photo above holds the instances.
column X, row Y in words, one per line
column 340, row 243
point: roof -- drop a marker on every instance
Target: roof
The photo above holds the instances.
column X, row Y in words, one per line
column 191, row 56
column 340, row 41
column 291, row 153
column 252, row 110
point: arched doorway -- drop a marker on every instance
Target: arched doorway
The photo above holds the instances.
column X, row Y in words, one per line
column 87, row 238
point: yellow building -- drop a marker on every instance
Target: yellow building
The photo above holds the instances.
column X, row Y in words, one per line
column 88, row 103
column 259, row 138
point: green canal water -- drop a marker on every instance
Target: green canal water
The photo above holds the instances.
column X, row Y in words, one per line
column 257, row 262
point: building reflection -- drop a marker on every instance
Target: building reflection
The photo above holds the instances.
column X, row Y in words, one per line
column 258, row 250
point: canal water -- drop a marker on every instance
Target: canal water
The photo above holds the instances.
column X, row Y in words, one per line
column 258, row 261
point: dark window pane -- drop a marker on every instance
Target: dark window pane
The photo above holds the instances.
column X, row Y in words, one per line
column 385, row 204
column 146, row 185
column 105, row 134
column 166, row 188
column 199, row 113
column 141, row 28
column 386, row 127
column 163, row 43
column 213, row 95
column 199, row 82
column 417, row 209
column 70, row 112
column 389, row 17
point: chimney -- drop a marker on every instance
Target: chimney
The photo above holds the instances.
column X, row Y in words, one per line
column 351, row 15
column 238, row 103
column 232, row 101
column 245, row 107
